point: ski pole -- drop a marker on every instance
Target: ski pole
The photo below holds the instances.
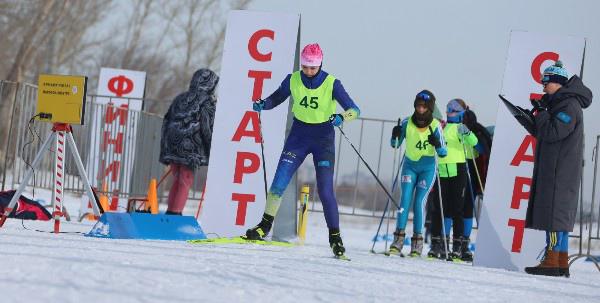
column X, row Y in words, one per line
column 469, row 180
column 390, row 214
column 475, row 205
column 262, row 153
column 394, row 182
column 477, row 172
column 369, row 168
column 437, row 171
column 478, row 209
column 475, row 166
column 387, row 229
column 387, row 203
column 393, row 188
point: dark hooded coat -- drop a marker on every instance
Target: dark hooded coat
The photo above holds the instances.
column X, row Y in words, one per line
column 187, row 126
column 484, row 140
column 558, row 158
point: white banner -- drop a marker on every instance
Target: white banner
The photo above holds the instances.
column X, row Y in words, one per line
column 259, row 52
column 114, row 129
column 502, row 240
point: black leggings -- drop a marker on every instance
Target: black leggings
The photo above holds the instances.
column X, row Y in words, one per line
column 469, row 190
column 453, row 197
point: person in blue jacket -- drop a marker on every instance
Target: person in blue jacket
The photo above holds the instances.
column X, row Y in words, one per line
column 315, row 95
column 424, row 137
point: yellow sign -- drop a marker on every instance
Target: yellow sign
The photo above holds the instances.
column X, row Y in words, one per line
column 61, row 98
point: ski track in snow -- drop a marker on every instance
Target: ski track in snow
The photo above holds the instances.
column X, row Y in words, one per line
column 43, row 267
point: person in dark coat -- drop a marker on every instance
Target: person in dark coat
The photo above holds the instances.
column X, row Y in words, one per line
column 477, row 160
column 482, row 149
column 186, row 135
column 557, row 168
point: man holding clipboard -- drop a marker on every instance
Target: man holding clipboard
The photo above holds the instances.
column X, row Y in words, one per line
column 556, row 121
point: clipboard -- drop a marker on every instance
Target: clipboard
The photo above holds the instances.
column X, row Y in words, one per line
column 524, row 118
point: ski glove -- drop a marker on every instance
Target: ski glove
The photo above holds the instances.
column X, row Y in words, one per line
column 336, row 119
column 259, row 105
column 433, row 140
column 463, row 130
column 396, row 131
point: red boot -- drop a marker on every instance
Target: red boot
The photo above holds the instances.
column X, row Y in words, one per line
column 548, row 266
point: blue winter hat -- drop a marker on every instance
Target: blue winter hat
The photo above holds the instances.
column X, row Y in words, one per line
column 556, row 74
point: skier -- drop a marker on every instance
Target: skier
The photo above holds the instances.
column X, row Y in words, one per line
column 557, row 165
column 423, row 133
column 314, row 93
column 453, row 178
column 478, row 152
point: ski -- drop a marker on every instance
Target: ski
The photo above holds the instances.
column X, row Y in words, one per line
column 239, row 240
column 394, row 252
column 386, row 253
column 342, row 257
column 389, row 254
column 453, row 260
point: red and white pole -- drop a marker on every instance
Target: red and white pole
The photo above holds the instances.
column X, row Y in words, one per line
column 59, row 178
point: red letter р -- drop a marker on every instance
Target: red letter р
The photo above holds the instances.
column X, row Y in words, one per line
column 518, row 192
column 241, row 168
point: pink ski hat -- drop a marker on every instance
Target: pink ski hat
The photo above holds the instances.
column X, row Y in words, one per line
column 312, row 55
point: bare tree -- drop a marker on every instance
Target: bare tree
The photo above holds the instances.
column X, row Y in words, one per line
column 170, row 40
column 141, row 14
column 167, row 39
column 29, row 39
column 46, row 35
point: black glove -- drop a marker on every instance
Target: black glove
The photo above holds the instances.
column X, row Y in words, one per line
column 433, row 140
column 537, row 106
column 396, row 131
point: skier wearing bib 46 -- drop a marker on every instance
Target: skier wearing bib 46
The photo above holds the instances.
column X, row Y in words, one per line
column 423, row 133
column 315, row 95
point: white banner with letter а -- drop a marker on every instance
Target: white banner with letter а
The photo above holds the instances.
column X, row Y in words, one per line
column 259, row 51
column 502, row 240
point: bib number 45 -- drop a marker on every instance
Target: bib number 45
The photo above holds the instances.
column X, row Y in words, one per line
column 312, row 103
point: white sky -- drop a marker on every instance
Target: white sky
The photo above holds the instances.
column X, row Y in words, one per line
column 384, row 52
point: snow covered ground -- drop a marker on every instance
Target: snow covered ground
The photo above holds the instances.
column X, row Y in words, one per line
column 44, row 267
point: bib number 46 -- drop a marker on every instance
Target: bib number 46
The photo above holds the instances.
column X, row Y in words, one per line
column 421, row 145
column 312, row 103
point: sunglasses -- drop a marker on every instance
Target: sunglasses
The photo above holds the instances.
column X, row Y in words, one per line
column 454, row 107
column 424, row 96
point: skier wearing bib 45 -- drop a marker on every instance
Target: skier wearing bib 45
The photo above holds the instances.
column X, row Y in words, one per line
column 315, row 95
column 423, row 134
